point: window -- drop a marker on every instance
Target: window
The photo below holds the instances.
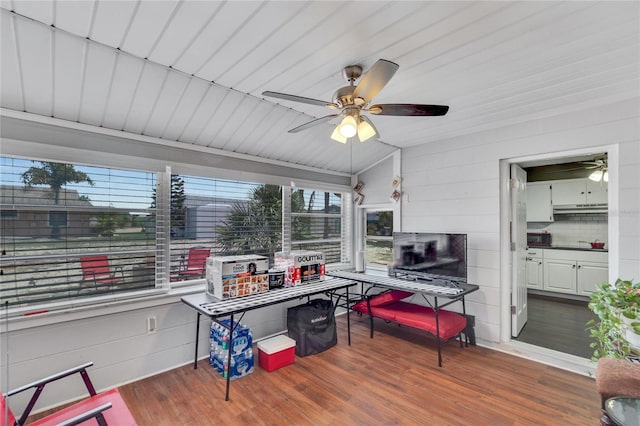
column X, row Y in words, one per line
column 226, row 217
column 8, row 214
column 379, row 239
column 73, row 231
column 57, row 219
column 78, row 231
column 317, row 223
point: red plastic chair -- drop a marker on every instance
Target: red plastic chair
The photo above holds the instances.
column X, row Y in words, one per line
column 196, row 263
column 97, row 270
column 107, row 408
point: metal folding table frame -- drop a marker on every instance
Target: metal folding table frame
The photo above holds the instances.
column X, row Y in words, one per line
column 437, row 287
column 204, row 304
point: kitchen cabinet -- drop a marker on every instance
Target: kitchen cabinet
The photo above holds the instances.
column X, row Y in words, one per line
column 539, row 207
column 591, row 274
column 597, row 192
column 578, row 191
column 560, row 275
column 574, row 271
column 534, row 269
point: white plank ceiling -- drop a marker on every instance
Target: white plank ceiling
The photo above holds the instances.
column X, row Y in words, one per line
column 193, row 71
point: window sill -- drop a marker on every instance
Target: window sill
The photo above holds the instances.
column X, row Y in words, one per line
column 25, row 318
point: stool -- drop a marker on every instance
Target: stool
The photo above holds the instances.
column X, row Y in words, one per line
column 616, row 377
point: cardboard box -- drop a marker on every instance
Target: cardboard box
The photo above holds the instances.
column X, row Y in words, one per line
column 237, row 276
column 276, row 352
column 301, row 266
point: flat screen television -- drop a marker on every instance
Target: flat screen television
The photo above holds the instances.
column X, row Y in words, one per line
column 430, row 256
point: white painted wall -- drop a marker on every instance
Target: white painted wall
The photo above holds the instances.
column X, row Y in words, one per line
column 377, row 182
column 454, row 186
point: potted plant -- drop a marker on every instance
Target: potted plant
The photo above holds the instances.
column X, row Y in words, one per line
column 617, row 330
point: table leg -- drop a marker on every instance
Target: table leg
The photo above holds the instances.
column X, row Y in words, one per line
column 436, row 310
column 230, row 349
column 195, row 357
column 348, row 318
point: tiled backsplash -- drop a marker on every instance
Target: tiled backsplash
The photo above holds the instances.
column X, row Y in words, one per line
column 569, row 229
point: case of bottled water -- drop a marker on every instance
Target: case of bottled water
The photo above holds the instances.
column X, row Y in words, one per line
column 242, row 361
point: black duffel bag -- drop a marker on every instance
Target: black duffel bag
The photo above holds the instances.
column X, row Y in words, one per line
column 313, row 326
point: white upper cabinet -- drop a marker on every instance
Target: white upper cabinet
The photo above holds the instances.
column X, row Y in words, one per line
column 539, row 208
column 578, row 191
column 597, row 192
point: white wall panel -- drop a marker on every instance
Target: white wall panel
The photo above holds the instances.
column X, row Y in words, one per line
column 69, row 72
column 123, row 89
column 147, row 25
column 377, row 183
column 207, row 108
column 248, row 136
column 75, row 16
column 10, row 74
column 465, row 213
column 111, row 22
column 188, row 21
column 201, row 55
column 185, row 108
column 37, row 78
column 211, row 135
column 147, row 91
column 166, row 104
column 40, row 10
column 96, row 85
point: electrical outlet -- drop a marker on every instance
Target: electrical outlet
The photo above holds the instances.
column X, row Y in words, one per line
column 152, row 325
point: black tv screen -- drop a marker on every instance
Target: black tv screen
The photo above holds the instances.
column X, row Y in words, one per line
column 430, row 255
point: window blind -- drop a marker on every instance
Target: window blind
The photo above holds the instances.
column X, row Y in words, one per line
column 70, row 231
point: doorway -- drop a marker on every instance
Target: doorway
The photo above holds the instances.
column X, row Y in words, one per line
column 556, row 318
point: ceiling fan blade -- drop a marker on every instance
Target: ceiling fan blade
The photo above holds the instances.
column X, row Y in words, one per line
column 302, row 99
column 375, row 79
column 313, row 123
column 408, row 109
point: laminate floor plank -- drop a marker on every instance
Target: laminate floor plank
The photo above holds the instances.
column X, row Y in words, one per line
column 558, row 324
column 392, row 379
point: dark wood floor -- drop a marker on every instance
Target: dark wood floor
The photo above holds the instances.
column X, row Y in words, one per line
column 393, row 379
column 558, row 324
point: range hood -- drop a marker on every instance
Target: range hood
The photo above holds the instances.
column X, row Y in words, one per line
column 580, row 208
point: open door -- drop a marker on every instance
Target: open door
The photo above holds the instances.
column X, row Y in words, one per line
column 518, row 248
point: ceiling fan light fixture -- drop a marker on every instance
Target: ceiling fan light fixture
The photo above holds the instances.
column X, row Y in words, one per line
column 599, row 175
column 365, row 130
column 348, row 127
column 336, row 136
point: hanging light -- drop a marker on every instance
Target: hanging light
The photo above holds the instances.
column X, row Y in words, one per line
column 336, row 136
column 365, row 129
column 348, row 127
column 351, row 125
column 599, row 175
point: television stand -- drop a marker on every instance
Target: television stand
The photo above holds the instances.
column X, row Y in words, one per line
column 434, row 319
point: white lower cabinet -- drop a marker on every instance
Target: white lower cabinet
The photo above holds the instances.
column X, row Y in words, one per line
column 534, row 269
column 566, row 271
column 590, row 274
column 560, row 275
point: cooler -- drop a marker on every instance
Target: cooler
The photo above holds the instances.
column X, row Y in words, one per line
column 276, row 352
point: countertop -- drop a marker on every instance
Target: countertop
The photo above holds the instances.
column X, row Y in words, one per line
column 604, row 250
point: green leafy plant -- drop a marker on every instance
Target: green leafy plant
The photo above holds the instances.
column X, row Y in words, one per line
column 617, row 307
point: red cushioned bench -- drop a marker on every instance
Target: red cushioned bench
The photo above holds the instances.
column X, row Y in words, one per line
column 443, row 324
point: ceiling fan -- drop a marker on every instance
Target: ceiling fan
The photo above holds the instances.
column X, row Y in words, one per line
column 598, row 165
column 600, row 174
column 351, row 101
